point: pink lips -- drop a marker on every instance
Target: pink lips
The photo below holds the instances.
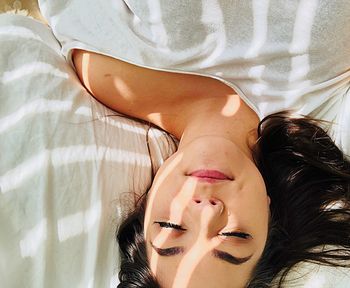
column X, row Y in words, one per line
column 209, row 175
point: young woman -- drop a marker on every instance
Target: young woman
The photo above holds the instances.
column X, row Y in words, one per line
column 241, row 200
column 235, row 205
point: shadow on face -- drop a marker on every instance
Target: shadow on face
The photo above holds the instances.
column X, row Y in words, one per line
column 207, row 215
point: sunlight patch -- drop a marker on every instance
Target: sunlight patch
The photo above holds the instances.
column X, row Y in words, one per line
column 76, row 224
column 31, row 69
column 30, row 244
column 17, row 176
column 38, row 106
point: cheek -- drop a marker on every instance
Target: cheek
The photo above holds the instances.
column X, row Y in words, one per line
column 157, row 205
column 254, row 205
column 256, row 183
column 171, row 198
column 259, row 202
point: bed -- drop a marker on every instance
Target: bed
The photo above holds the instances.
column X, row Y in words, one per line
column 70, row 168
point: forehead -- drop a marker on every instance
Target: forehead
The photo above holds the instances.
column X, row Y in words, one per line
column 206, row 271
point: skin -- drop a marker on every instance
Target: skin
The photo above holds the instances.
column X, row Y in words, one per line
column 216, row 130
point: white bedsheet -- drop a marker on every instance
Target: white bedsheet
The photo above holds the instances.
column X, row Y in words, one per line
column 67, row 174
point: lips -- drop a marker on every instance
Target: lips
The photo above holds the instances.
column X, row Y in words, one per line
column 210, row 175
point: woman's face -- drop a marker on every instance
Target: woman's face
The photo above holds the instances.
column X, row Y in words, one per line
column 204, row 229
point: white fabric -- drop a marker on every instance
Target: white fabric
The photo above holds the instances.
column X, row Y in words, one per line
column 306, row 275
column 277, row 54
column 67, row 173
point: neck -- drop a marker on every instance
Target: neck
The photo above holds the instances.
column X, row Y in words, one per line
column 228, row 117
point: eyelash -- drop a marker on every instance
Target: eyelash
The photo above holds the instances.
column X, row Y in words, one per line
column 170, row 225
column 178, row 227
column 237, row 234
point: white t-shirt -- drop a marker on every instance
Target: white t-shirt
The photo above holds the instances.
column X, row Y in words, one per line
column 277, row 55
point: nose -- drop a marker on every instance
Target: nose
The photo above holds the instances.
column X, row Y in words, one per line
column 213, row 204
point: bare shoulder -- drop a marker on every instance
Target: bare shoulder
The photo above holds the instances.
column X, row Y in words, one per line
column 106, row 78
column 160, row 97
column 125, row 87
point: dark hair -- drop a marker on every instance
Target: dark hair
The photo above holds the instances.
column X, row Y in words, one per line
column 134, row 270
column 308, row 180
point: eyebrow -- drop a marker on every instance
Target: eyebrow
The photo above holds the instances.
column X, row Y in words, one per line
column 230, row 258
column 172, row 251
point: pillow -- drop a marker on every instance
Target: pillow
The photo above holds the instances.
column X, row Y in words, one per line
column 68, row 174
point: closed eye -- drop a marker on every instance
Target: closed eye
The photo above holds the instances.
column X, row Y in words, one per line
column 178, row 227
column 170, row 225
column 237, row 234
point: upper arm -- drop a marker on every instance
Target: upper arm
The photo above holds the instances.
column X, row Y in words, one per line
column 92, row 70
column 132, row 89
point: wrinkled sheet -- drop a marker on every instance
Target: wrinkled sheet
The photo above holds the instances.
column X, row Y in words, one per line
column 68, row 174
